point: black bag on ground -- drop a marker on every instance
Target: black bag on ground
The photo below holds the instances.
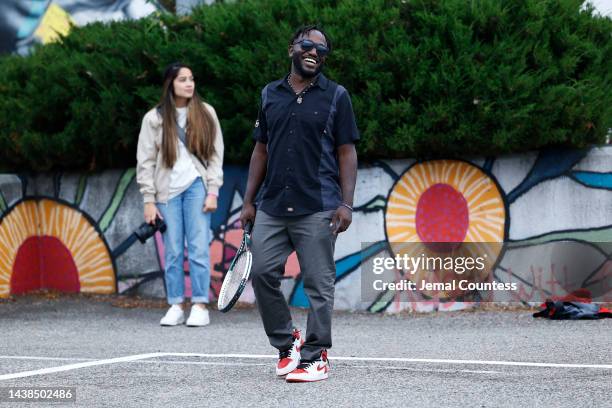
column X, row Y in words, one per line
column 560, row 310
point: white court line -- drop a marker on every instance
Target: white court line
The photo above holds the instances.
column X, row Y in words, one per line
column 204, row 363
column 68, row 367
column 228, row 364
column 147, row 356
column 411, row 360
column 367, row 367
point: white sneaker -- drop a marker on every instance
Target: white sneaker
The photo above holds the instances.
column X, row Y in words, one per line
column 310, row 371
column 289, row 359
column 198, row 316
column 173, row 317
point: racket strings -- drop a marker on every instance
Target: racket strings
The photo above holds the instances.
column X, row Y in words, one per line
column 240, row 266
column 233, row 278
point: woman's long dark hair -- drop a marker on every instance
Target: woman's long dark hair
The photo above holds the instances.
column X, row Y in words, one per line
column 201, row 129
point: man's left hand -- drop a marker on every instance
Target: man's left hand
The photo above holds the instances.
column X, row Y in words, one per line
column 341, row 220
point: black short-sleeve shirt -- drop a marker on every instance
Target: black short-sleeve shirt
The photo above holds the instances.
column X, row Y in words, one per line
column 302, row 174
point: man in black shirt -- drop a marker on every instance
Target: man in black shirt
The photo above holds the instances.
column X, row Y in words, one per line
column 306, row 165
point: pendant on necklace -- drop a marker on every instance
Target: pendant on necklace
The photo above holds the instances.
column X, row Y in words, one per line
column 299, row 99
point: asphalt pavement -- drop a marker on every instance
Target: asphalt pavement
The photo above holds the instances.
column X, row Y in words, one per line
column 452, row 359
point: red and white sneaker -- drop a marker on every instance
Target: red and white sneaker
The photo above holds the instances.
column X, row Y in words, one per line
column 289, row 359
column 309, row 371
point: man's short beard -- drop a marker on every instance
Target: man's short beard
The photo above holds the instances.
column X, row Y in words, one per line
column 297, row 64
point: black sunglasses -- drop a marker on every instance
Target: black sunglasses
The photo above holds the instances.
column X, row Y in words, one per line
column 308, row 45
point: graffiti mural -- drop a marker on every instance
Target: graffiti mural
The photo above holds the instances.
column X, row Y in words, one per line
column 72, row 232
column 26, row 22
column 47, row 244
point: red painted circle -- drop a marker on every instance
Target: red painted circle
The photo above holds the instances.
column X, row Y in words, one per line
column 442, row 215
column 44, row 263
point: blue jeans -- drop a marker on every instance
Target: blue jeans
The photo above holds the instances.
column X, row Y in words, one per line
column 185, row 220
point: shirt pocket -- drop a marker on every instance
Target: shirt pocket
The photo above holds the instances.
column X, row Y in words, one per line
column 314, row 121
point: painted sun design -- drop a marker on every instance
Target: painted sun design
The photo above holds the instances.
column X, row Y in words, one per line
column 446, row 207
column 47, row 244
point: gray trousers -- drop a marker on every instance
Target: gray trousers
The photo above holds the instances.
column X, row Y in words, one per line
column 273, row 240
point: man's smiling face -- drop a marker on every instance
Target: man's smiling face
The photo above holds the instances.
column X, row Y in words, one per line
column 309, row 63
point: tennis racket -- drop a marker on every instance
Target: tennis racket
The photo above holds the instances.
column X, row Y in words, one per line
column 238, row 273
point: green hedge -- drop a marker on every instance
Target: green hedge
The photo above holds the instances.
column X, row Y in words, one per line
column 428, row 78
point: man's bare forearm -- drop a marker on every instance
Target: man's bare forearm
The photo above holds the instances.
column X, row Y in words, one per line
column 347, row 160
column 257, row 172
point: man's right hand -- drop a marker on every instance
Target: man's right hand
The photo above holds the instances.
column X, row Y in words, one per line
column 247, row 214
column 151, row 213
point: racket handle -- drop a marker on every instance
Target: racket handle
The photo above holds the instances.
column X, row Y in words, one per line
column 248, row 227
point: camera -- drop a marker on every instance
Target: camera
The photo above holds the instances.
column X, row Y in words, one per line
column 145, row 231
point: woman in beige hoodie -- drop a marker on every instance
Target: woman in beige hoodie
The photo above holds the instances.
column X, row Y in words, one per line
column 179, row 171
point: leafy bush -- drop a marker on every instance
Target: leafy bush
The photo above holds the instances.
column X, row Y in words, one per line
column 427, row 77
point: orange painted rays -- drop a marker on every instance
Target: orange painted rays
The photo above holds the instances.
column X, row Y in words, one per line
column 47, row 244
column 446, row 201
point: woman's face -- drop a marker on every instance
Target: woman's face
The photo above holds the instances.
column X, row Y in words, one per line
column 183, row 84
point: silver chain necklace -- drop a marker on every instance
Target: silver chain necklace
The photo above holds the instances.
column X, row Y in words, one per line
column 300, row 95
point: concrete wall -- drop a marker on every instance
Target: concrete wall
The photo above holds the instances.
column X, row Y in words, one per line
column 72, row 231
